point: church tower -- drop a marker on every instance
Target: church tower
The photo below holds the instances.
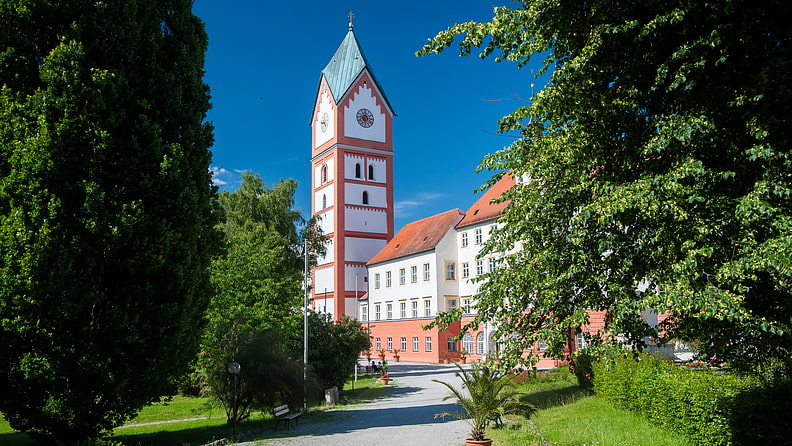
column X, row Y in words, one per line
column 352, row 178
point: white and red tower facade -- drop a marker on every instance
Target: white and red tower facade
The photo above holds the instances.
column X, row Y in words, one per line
column 352, row 177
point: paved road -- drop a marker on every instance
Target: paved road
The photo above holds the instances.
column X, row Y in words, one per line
column 405, row 417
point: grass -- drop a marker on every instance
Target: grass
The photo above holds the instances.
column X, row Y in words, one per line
column 570, row 415
column 185, row 421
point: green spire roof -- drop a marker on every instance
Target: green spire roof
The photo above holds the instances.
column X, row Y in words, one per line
column 345, row 67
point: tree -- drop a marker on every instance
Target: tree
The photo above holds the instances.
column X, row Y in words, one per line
column 107, row 212
column 258, row 297
column 334, row 347
column 657, row 157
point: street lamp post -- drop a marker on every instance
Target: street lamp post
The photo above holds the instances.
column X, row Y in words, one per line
column 234, row 369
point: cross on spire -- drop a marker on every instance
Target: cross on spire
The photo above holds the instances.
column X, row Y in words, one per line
column 351, row 16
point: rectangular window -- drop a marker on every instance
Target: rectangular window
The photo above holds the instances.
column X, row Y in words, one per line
column 466, row 305
column 389, row 311
column 378, row 344
column 451, row 304
column 464, row 241
column 491, row 264
column 465, row 269
column 493, row 228
column 478, row 236
column 428, row 344
column 403, row 344
column 480, row 343
column 402, row 276
column 390, row 343
column 414, row 308
column 452, row 344
column 542, row 345
column 415, row 344
column 426, row 272
column 413, row 274
column 581, row 341
column 450, row 268
column 387, row 279
column 377, row 281
column 403, row 310
column 479, row 267
column 376, row 312
column 427, row 308
column 364, row 313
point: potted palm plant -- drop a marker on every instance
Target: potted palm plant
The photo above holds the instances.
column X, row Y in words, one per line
column 488, row 396
column 396, row 352
column 384, row 378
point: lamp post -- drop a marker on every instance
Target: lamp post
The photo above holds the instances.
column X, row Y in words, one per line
column 234, row 369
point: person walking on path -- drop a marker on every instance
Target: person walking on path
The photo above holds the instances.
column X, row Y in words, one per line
column 404, row 417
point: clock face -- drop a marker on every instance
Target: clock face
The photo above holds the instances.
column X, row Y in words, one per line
column 365, row 118
column 323, row 122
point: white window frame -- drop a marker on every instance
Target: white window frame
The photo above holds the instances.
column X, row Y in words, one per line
column 479, row 267
column 416, row 344
column 428, row 344
column 376, row 281
column 389, row 312
column 388, row 279
column 478, row 236
column 402, row 276
column 465, row 270
column 414, row 274
column 403, row 310
column 450, row 271
column 464, row 240
column 414, row 308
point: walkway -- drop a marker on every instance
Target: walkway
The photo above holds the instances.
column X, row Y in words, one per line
column 405, row 417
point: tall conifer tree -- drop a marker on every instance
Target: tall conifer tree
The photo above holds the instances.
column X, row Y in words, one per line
column 107, row 212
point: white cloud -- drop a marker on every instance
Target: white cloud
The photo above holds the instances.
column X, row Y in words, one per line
column 405, row 208
column 223, row 177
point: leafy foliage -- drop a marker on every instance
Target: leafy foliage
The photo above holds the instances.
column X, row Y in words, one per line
column 487, row 397
column 656, row 158
column 334, row 347
column 107, row 212
column 709, row 408
column 256, row 308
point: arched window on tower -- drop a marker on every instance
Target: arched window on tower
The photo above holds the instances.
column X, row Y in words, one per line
column 324, row 201
column 371, row 172
column 324, row 173
column 365, row 197
column 357, row 171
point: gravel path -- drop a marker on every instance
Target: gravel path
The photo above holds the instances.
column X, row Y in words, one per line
column 405, row 417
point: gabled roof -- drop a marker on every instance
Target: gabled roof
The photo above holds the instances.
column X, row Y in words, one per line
column 484, row 209
column 345, row 68
column 418, row 236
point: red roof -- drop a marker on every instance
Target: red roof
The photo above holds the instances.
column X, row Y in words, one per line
column 484, row 209
column 418, row 236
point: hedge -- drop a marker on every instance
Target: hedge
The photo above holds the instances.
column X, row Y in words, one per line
column 708, row 408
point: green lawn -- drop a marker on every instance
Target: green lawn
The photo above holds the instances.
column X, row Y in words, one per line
column 569, row 415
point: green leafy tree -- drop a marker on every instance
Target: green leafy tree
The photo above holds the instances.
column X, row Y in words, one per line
column 656, row 158
column 107, row 212
column 259, row 296
column 334, row 347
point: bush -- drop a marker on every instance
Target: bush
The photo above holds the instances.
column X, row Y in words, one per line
column 708, row 408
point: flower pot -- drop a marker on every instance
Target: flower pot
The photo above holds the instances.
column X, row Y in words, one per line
column 446, row 361
column 485, row 442
column 396, row 358
column 463, row 360
column 382, row 357
column 384, row 380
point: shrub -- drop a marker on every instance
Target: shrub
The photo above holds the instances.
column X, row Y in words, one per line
column 708, row 408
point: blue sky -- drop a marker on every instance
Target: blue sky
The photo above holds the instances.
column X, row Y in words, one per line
column 263, row 68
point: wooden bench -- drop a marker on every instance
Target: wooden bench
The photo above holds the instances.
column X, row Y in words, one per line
column 282, row 415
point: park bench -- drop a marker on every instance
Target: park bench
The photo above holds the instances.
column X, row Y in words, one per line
column 282, row 415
